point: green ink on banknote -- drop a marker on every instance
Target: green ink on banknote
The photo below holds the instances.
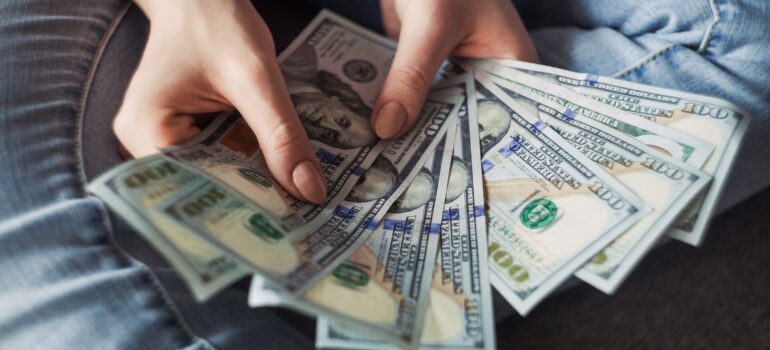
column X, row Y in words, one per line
column 351, row 276
column 261, row 227
column 538, row 214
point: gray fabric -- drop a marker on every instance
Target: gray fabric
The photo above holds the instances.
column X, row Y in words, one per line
column 226, row 320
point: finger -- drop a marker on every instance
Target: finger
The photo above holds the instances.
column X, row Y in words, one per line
column 264, row 102
column 501, row 34
column 390, row 18
column 146, row 123
column 144, row 133
column 158, row 113
column 422, row 47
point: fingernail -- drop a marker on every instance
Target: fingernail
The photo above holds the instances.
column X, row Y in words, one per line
column 390, row 120
column 309, row 181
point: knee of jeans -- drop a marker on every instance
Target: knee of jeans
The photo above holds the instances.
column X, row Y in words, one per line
column 737, row 43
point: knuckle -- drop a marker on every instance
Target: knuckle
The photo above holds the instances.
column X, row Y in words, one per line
column 248, row 67
column 286, row 139
column 122, row 125
column 412, row 82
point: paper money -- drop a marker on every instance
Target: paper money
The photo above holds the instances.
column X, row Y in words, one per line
column 398, row 258
column 334, row 71
column 713, row 120
column 134, row 188
column 460, row 315
column 526, row 171
column 294, row 260
column 669, row 141
column 663, row 183
column 383, row 288
column 550, row 208
column 460, row 312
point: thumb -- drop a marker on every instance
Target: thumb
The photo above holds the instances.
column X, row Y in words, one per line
column 422, row 47
column 264, row 102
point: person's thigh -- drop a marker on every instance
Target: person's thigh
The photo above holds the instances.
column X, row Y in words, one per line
column 225, row 320
column 710, row 47
column 66, row 283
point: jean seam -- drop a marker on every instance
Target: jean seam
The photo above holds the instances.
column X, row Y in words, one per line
column 708, row 35
column 644, row 61
column 82, row 178
column 716, row 10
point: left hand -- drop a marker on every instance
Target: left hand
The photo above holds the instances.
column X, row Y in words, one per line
column 430, row 30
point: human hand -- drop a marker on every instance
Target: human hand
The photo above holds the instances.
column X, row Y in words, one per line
column 427, row 32
column 209, row 56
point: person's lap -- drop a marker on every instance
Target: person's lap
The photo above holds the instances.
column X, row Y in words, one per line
column 710, row 47
column 69, row 267
column 60, row 273
column 72, row 275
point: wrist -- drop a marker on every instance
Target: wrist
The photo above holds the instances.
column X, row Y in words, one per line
column 158, row 8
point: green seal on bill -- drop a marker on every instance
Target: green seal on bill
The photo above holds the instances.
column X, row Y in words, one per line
column 351, row 276
column 539, row 213
column 258, row 224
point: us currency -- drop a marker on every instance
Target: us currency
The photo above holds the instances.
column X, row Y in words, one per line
column 334, row 71
column 713, row 120
column 460, row 311
column 134, row 188
column 663, row 183
column 671, row 142
column 550, row 208
column 295, row 260
column 383, row 288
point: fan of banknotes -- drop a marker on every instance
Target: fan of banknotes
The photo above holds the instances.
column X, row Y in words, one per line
column 516, row 176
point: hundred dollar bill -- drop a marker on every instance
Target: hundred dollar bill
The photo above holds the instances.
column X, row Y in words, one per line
column 293, row 260
column 663, row 183
column 713, row 120
column 550, row 208
column 334, row 71
column 671, row 142
column 460, row 311
column 134, row 188
column 383, row 288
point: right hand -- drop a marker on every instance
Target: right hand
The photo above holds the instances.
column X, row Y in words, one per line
column 209, row 56
column 430, row 30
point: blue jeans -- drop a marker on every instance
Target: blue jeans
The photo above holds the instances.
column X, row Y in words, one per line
column 74, row 276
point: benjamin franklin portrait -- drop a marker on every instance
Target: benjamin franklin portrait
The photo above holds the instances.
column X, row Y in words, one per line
column 494, row 122
column 330, row 110
column 379, row 181
column 419, row 192
column 459, row 179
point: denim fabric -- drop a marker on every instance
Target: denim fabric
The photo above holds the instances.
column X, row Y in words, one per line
column 74, row 276
column 64, row 282
column 711, row 47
